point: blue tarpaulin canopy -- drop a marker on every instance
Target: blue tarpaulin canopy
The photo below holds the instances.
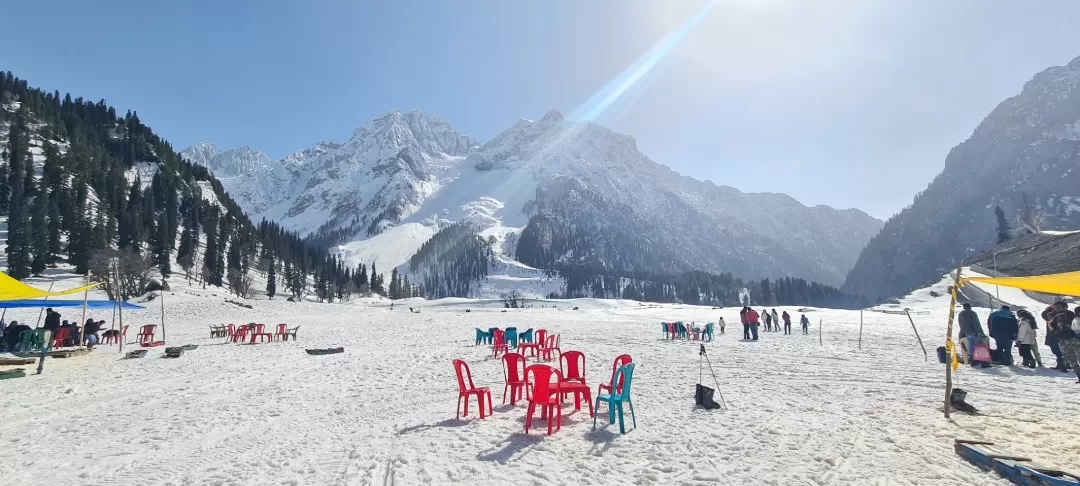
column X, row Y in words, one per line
column 36, row 303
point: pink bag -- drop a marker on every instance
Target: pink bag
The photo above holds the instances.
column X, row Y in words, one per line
column 981, row 354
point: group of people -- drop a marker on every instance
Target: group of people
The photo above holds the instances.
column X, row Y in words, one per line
column 11, row 334
column 1021, row 328
column 751, row 320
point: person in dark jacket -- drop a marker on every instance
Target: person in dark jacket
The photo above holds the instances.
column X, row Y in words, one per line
column 52, row 320
column 787, row 322
column 768, row 319
column 14, row 333
column 752, row 319
column 805, row 323
column 90, row 332
column 1068, row 340
column 1048, row 315
column 1003, row 328
column 970, row 332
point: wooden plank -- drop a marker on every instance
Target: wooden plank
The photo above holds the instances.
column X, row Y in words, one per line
column 16, row 361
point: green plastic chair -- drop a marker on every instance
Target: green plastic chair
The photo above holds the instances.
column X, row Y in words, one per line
column 615, row 400
column 33, row 340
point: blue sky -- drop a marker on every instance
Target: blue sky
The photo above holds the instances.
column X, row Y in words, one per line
column 840, row 102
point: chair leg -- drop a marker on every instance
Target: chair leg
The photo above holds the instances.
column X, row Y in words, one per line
column 549, row 419
column 489, row 402
column 633, row 416
column 504, row 394
column 622, row 428
column 528, row 417
column 458, row 411
column 594, row 415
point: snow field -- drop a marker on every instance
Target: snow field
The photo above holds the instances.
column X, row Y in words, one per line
column 383, row 412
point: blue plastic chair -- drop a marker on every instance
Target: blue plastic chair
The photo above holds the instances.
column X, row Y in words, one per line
column 481, row 336
column 511, row 338
column 707, row 334
column 526, row 337
column 491, row 335
column 680, row 328
column 663, row 329
column 615, row 400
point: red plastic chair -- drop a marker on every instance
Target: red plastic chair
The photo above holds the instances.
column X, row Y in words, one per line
column 146, row 334
column 240, row 334
column 671, row 330
column 282, row 332
column 620, row 361
column 229, row 332
column 116, row 337
column 500, row 343
column 541, row 336
column 692, row 334
column 544, row 394
column 572, row 366
column 532, row 348
column 552, row 345
column 514, row 377
column 260, row 333
column 461, row 368
column 60, row 336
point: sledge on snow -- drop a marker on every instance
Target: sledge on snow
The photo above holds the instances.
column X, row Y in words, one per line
column 1018, row 469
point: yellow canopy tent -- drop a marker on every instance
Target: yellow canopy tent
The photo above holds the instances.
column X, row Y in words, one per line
column 11, row 289
column 1058, row 283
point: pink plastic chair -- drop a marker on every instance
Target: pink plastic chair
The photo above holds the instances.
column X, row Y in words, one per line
column 620, row 361
column 572, row 365
column 514, row 377
column 500, row 343
column 544, row 394
column 464, row 374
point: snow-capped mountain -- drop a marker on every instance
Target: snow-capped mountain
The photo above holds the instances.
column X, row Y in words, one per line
column 1023, row 157
column 401, row 177
column 380, row 175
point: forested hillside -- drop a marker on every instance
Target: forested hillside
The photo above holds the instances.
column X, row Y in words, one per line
column 83, row 184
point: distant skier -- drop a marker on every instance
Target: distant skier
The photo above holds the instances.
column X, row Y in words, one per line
column 776, row 321
column 787, row 322
column 805, row 324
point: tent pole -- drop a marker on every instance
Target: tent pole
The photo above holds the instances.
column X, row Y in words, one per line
column 948, row 338
column 161, row 296
column 43, row 309
column 119, row 303
column 907, row 312
column 860, row 328
column 82, row 322
column 819, row 341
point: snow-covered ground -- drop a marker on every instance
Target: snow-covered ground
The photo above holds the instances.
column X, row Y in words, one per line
column 383, row 412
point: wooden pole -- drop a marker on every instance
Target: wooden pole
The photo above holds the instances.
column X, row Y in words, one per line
column 161, row 296
column 819, row 339
column 948, row 338
column 119, row 303
column 860, row 328
column 85, row 300
column 912, row 321
column 43, row 309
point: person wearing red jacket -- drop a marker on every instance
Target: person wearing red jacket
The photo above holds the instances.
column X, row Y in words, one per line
column 752, row 317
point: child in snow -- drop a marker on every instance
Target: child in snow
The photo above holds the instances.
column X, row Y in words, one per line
column 1026, row 337
column 776, row 321
column 805, row 324
column 721, row 324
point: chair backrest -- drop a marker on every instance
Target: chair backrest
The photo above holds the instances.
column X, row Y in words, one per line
column 232, row 328
column 671, row 327
column 281, row 328
column 123, row 330
column 464, row 375
column 541, row 334
column 574, row 364
column 620, row 361
column 500, row 337
column 624, row 376
column 61, row 333
column 513, row 367
column 147, row 329
column 539, row 375
column 550, row 343
column 259, row 328
column 511, row 334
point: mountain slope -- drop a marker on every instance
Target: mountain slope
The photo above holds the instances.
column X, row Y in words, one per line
column 626, row 213
column 1024, row 157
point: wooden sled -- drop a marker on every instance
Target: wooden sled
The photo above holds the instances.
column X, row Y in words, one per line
column 16, row 361
column 189, row 347
column 153, row 344
column 1017, row 469
column 325, row 351
column 15, row 373
column 138, row 353
column 174, row 352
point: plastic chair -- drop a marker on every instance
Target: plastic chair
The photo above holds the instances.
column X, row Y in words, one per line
column 461, row 368
column 59, row 337
column 572, row 366
column 552, row 345
column 525, row 337
column 500, row 343
column 491, row 335
column 481, row 337
column 511, row 337
column 119, row 337
column 707, row 334
column 620, row 361
column 693, row 334
column 671, row 330
column 146, row 334
column 514, row 377
column 260, row 333
column 615, row 400
column 541, row 336
column 239, row 334
column 664, row 330
column 281, row 331
column 291, row 333
column 543, row 394
column 32, row 340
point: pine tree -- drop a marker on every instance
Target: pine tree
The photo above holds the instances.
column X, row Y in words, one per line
column 395, row 290
column 271, row 277
column 162, row 247
column 19, row 237
column 39, row 230
column 1004, row 232
column 210, row 256
column 5, row 184
column 55, row 246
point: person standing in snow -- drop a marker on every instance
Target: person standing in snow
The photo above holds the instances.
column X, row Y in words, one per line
column 787, row 323
column 805, row 324
column 1003, row 328
column 1052, row 334
column 776, row 320
column 767, row 318
column 1068, row 340
column 721, row 324
column 752, row 319
column 745, row 323
column 1025, row 337
column 970, row 331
